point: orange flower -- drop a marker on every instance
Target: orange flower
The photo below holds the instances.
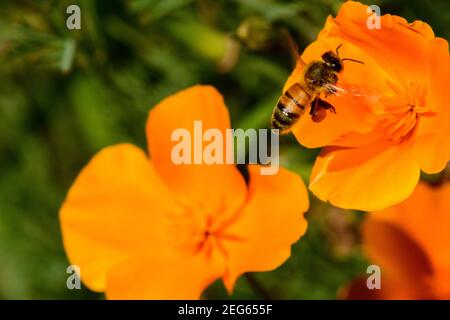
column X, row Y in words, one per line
column 411, row 244
column 396, row 122
column 143, row 228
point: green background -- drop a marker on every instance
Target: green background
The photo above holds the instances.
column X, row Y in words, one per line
column 66, row 94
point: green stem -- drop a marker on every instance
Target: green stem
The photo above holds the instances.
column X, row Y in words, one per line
column 257, row 287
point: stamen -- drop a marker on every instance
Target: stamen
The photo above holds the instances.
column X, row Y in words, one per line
column 403, row 110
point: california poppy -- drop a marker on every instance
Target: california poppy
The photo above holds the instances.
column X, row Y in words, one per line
column 411, row 244
column 143, row 227
column 392, row 117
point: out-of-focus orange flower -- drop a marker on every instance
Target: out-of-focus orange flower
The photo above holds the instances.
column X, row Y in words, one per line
column 396, row 121
column 142, row 228
column 411, row 244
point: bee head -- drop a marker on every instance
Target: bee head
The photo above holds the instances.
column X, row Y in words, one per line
column 332, row 60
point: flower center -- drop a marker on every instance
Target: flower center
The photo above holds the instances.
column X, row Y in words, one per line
column 194, row 229
column 402, row 110
column 208, row 239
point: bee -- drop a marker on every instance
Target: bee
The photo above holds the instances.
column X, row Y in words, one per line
column 319, row 78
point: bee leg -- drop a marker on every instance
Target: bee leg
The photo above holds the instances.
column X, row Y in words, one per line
column 332, row 109
column 317, row 112
column 314, row 104
column 325, row 105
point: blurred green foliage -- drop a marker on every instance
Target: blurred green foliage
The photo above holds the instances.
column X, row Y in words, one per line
column 66, row 94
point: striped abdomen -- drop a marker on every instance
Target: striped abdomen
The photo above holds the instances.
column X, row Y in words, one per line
column 290, row 107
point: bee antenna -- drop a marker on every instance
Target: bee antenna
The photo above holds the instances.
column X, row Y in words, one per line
column 357, row 61
column 337, row 49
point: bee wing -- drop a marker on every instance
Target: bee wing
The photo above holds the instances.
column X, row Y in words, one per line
column 342, row 90
column 336, row 90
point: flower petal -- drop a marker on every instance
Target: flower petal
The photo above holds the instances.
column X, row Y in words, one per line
column 401, row 259
column 260, row 238
column 394, row 250
column 432, row 145
column 212, row 188
column 160, row 275
column 113, row 210
column 425, row 218
column 397, row 44
column 410, row 242
column 368, row 178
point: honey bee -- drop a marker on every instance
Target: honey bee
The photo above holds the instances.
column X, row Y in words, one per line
column 319, row 78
